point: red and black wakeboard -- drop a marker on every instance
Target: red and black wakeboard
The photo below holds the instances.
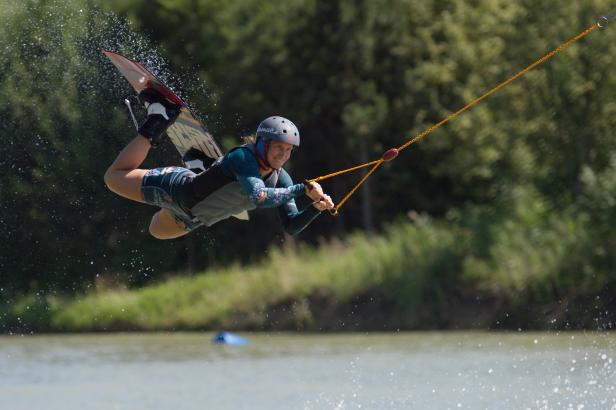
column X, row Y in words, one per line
column 186, row 132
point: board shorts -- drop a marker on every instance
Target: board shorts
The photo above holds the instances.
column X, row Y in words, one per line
column 164, row 187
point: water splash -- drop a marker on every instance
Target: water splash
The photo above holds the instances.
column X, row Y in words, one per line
column 56, row 33
column 62, row 100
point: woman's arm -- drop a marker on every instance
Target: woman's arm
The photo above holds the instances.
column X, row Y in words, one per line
column 245, row 168
column 294, row 221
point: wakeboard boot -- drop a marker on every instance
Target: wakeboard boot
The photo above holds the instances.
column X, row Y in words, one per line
column 161, row 114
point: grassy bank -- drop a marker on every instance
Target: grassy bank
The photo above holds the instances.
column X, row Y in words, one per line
column 287, row 289
column 531, row 271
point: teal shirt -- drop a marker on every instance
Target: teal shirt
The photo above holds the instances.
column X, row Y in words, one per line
column 242, row 164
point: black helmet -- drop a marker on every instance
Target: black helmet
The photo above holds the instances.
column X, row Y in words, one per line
column 279, row 129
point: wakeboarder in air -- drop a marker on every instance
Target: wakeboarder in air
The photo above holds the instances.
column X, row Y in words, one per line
column 248, row 177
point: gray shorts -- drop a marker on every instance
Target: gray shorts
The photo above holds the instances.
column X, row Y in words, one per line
column 164, row 187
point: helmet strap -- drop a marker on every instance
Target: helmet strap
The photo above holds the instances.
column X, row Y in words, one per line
column 262, row 147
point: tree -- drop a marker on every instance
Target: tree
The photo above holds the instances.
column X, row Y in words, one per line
column 62, row 125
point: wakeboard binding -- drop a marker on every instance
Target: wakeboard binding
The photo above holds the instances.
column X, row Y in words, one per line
column 197, row 161
column 161, row 114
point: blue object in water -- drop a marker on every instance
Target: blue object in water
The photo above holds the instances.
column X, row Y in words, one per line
column 226, row 338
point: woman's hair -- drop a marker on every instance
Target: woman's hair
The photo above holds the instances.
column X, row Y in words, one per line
column 249, row 139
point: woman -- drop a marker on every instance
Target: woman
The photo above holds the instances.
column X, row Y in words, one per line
column 248, row 177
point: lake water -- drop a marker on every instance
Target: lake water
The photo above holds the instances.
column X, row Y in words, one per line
column 433, row 370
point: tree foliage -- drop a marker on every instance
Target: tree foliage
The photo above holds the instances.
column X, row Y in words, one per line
column 358, row 77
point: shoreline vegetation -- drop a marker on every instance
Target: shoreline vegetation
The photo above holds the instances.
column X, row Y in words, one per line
column 417, row 274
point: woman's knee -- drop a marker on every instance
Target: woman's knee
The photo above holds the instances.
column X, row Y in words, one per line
column 164, row 226
column 157, row 233
column 109, row 178
column 125, row 183
column 115, row 180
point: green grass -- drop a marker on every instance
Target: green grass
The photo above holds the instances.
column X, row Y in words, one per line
column 401, row 260
column 424, row 274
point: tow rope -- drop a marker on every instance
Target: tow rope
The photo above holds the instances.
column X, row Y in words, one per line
column 392, row 153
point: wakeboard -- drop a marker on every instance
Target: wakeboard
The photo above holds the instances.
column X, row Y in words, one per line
column 187, row 133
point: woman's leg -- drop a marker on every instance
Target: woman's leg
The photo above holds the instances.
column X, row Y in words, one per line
column 123, row 177
column 165, row 226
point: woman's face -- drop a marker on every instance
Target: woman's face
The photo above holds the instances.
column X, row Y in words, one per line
column 278, row 153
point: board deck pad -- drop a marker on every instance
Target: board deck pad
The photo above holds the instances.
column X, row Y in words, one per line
column 186, row 132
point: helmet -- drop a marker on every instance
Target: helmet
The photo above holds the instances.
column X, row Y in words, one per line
column 279, row 129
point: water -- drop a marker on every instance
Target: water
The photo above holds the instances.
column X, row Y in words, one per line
column 440, row 370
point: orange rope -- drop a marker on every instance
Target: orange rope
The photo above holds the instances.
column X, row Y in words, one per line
column 450, row 117
column 347, row 196
column 501, row 85
column 344, row 171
